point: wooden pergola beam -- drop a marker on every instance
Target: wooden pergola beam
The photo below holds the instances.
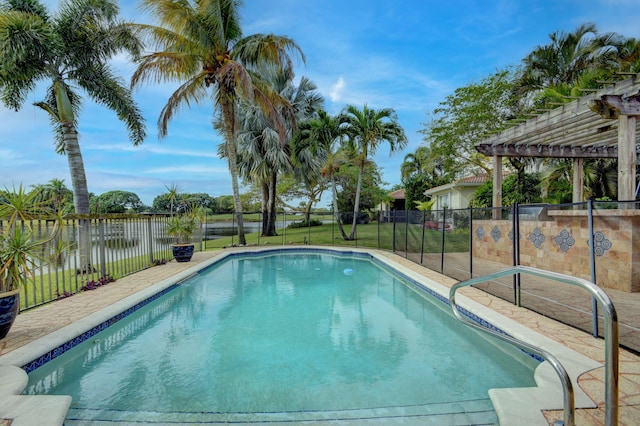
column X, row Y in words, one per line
column 547, row 151
column 563, row 119
column 581, row 129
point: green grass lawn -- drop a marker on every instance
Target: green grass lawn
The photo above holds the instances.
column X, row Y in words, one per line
column 257, row 217
column 47, row 284
column 373, row 235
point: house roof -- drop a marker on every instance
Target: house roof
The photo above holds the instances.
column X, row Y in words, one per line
column 398, row 194
column 481, row 178
column 468, row 181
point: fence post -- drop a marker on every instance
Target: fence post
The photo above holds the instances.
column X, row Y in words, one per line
column 444, row 218
column 356, row 233
column 515, row 212
column 204, row 231
column 470, row 242
column 103, row 263
column 150, row 238
column 406, row 233
column 333, row 226
column 393, row 228
column 379, row 217
column 516, row 237
column 424, row 219
column 592, row 261
column 261, row 228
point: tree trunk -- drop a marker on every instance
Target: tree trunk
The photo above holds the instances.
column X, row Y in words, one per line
column 307, row 212
column 229, row 116
column 80, row 194
column 76, row 169
column 273, row 214
column 335, row 207
column 265, row 209
column 356, row 207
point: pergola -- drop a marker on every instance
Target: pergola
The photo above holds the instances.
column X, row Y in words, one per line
column 600, row 124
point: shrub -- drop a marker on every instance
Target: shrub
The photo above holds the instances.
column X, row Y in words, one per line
column 305, row 224
column 363, row 218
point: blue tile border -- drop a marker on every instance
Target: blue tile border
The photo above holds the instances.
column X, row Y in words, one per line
column 56, row 352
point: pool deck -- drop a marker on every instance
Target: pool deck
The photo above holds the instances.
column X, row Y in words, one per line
column 40, row 322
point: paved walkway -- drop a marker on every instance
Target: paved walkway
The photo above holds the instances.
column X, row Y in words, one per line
column 41, row 321
column 565, row 303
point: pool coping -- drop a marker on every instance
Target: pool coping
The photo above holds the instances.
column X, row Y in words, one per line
column 508, row 403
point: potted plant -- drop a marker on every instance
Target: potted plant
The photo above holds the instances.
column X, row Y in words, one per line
column 18, row 250
column 182, row 228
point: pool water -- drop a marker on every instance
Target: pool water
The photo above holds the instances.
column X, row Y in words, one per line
column 282, row 333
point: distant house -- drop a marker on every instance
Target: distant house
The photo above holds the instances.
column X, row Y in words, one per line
column 456, row 195
column 395, row 203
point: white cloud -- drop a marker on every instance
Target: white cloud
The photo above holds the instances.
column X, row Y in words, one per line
column 148, row 148
column 193, row 169
column 336, row 90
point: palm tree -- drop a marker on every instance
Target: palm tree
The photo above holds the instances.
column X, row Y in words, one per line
column 71, row 51
column 367, row 129
column 629, row 55
column 200, row 44
column 316, row 149
column 173, row 194
column 56, row 195
column 572, row 56
column 263, row 153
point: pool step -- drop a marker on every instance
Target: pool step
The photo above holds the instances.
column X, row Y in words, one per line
column 462, row 413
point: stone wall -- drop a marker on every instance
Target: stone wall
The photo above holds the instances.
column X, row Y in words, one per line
column 561, row 244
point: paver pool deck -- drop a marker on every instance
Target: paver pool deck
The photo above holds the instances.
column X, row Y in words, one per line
column 36, row 323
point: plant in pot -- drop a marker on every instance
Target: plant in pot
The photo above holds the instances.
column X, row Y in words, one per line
column 19, row 248
column 182, row 228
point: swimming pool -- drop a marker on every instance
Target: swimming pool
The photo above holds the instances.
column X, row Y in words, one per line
column 285, row 337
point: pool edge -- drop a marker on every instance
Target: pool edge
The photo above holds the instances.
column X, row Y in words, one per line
column 506, row 402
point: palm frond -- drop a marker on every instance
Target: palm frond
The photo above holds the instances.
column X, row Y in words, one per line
column 193, row 91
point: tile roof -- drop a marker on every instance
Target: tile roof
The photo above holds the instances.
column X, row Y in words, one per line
column 398, row 194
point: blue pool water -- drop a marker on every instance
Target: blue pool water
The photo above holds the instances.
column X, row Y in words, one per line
column 317, row 334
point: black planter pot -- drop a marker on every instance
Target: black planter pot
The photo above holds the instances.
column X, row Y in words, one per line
column 9, row 307
column 182, row 252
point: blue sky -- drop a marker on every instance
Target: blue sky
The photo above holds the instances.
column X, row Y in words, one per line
column 403, row 55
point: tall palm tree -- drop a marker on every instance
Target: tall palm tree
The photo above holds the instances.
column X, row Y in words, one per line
column 568, row 57
column 366, row 129
column 71, row 50
column 200, row 44
column 316, row 149
column 263, row 153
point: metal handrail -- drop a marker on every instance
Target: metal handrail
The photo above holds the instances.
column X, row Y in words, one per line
column 610, row 337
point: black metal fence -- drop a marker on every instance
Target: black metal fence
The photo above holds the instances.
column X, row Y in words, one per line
column 116, row 245
column 597, row 241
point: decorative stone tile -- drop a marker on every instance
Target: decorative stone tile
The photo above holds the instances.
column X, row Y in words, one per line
column 511, row 235
column 496, row 234
column 480, row 232
column 565, row 240
column 537, row 237
column 602, row 244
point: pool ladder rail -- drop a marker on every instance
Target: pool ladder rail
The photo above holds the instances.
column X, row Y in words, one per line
column 610, row 337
